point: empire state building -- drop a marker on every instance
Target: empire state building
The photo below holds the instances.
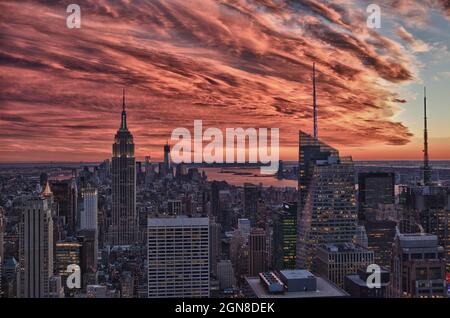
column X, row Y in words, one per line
column 124, row 222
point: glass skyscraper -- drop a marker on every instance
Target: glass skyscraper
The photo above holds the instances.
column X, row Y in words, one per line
column 327, row 199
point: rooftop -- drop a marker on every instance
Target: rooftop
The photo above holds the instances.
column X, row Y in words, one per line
column 324, row 289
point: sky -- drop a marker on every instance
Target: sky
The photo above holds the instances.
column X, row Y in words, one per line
column 230, row 63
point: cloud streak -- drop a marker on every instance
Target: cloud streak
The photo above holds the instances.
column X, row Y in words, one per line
column 231, row 63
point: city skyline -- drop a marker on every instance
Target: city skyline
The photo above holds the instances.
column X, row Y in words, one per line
column 182, row 63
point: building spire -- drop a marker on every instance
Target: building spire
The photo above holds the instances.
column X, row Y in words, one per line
column 315, row 103
column 426, row 163
column 123, row 99
column 123, row 125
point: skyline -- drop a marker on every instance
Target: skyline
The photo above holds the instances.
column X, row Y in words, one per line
column 61, row 98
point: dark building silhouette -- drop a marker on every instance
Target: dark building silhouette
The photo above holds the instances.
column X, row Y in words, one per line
column 285, row 237
column 375, row 188
column 257, row 252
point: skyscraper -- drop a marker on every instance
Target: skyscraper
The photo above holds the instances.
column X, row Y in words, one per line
column 90, row 209
column 65, row 194
column 418, row 266
column 36, row 246
column 327, row 199
column 257, row 252
column 327, row 211
column 66, row 253
column 178, row 257
column 251, row 196
column 167, row 168
column 375, row 188
column 285, row 237
column 124, row 219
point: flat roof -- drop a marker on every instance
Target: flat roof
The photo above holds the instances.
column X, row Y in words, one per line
column 177, row 221
column 295, row 274
column 324, row 289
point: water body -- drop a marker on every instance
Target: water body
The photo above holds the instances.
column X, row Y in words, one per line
column 238, row 176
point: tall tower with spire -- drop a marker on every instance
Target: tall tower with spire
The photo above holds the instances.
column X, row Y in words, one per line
column 426, row 169
column 124, row 223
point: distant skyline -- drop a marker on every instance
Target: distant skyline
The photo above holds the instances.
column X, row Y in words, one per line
column 229, row 63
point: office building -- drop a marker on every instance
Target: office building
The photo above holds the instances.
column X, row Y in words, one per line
column 225, row 274
column 327, row 211
column 380, row 237
column 418, row 266
column 36, row 246
column 66, row 253
column 432, row 205
column 257, row 252
column 251, row 197
column 89, row 212
column 285, row 237
column 375, row 188
column 215, row 245
column 65, row 194
column 335, row 261
column 178, row 257
column 244, row 227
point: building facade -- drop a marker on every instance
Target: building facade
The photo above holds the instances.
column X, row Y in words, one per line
column 36, row 247
column 327, row 211
column 178, row 257
column 336, row 261
column 418, row 266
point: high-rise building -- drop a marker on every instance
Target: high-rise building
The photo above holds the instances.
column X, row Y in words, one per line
column 66, row 253
column 418, row 266
column 327, row 211
column 88, row 255
column 257, row 252
column 178, row 257
column 285, row 237
column 251, row 197
column 380, row 237
column 432, row 205
column 244, row 227
column 225, row 274
column 167, row 167
column 10, row 278
column 174, row 207
column 335, row 261
column 56, row 289
column 90, row 209
column 126, row 285
column 36, row 246
column 214, row 245
column 124, row 219
column 375, row 188
column 65, row 194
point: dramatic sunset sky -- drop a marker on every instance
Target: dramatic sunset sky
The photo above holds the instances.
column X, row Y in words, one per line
column 231, row 63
